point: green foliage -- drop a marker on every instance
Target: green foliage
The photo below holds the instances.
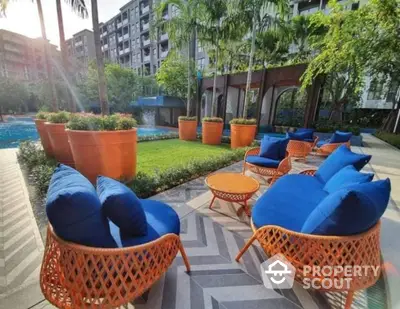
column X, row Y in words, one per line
column 212, row 119
column 42, row 115
column 173, row 78
column 331, row 126
column 185, row 118
column 13, row 95
column 59, row 117
column 158, row 137
column 391, row 138
column 243, row 121
column 90, row 122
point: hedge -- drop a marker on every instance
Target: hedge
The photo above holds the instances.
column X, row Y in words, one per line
column 391, row 138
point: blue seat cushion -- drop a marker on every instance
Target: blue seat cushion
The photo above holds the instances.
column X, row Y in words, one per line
column 309, row 140
column 161, row 220
column 338, row 159
column 349, row 211
column 322, row 143
column 121, row 206
column 287, row 203
column 261, row 161
column 298, row 136
column 346, row 176
column 270, row 148
column 74, row 210
column 340, row 137
column 309, row 131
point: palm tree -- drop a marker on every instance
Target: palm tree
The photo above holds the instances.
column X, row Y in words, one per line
column 259, row 15
column 181, row 30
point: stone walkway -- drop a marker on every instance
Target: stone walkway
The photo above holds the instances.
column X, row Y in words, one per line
column 212, row 238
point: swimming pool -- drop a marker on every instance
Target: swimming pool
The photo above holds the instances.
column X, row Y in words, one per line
column 16, row 130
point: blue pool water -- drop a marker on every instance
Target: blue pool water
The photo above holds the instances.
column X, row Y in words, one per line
column 16, row 130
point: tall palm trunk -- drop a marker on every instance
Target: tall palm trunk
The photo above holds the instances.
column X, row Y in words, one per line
column 47, row 56
column 64, row 55
column 252, row 50
column 189, row 77
column 99, row 59
column 214, row 95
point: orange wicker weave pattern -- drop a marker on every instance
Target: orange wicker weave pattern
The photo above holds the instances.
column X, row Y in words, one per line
column 327, row 149
column 284, row 167
column 299, row 149
column 308, row 172
column 75, row 276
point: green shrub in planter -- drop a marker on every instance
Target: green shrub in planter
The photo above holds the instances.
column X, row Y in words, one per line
column 92, row 122
column 212, row 119
column 59, row 117
column 243, row 121
column 42, row 115
column 186, row 118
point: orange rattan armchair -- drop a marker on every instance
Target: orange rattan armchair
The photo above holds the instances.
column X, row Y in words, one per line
column 76, row 276
column 327, row 149
column 301, row 149
column 284, row 166
column 303, row 250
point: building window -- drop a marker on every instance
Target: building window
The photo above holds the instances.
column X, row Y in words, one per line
column 375, row 90
column 200, row 63
column 199, row 47
column 355, row 6
column 137, row 11
column 391, row 96
column 155, row 52
column 137, row 42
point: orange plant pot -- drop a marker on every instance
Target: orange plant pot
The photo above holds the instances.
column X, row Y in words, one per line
column 187, row 130
column 44, row 137
column 59, row 143
column 242, row 135
column 212, row 132
column 106, row 153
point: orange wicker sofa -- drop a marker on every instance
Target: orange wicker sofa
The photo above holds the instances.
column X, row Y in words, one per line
column 317, row 229
column 104, row 248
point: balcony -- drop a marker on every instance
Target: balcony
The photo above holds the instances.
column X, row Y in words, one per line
column 103, row 34
column 78, row 43
column 127, row 50
column 145, row 9
column 164, row 37
column 126, row 36
column 164, row 54
column 145, row 26
column 146, row 42
column 146, row 58
column 105, row 46
column 125, row 21
column 165, row 16
column 119, row 25
column 120, row 38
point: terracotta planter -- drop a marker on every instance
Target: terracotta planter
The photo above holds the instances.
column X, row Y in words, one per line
column 212, row 132
column 188, row 130
column 59, row 143
column 106, row 153
column 242, row 135
column 44, row 137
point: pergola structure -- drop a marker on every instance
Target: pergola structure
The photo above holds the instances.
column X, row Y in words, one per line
column 271, row 83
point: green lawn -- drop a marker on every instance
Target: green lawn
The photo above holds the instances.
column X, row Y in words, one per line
column 160, row 155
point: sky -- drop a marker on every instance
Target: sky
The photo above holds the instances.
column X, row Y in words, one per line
column 22, row 17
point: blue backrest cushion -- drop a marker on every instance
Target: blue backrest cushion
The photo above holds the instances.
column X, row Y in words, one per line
column 74, row 210
column 270, row 147
column 309, row 131
column 338, row 159
column 340, row 137
column 346, row 176
column 282, row 148
column 349, row 211
column 122, row 206
column 298, row 136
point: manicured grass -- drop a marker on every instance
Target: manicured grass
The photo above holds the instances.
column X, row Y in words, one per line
column 391, row 138
column 160, row 155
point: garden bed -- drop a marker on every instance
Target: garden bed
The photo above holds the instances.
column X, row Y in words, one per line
column 391, row 138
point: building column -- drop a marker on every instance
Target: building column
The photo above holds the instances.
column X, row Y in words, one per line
column 261, row 94
column 225, row 95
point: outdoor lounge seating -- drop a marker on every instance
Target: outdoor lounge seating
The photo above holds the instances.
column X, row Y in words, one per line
column 301, row 143
column 337, row 223
column 93, row 262
column 325, row 148
column 270, row 159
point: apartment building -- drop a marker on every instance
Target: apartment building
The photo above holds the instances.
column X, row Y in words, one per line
column 23, row 58
column 81, row 50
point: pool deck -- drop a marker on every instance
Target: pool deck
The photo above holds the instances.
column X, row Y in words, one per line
column 211, row 238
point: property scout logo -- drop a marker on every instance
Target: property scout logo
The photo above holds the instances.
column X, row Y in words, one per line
column 278, row 272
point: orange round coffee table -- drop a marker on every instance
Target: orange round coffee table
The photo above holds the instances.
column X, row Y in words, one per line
column 232, row 187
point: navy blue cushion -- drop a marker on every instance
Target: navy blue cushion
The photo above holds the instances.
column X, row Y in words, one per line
column 261, row 161
column 340, row 137
column 270, row 148
column 298, row 136
column 287, row 203
column 282, row 148
column 340, row 158
column 74, row 210
column 309, row 140
column 161, row 220
column 349, row 211
column 346, row 176
column 322, row 143
column 121, row 206
column 309, row 131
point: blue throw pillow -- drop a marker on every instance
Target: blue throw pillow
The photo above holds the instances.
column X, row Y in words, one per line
column 74, row 210
column 270, row 147
column 349, row 211
column 298, row 136
column 122, row 206
column 309, row 131
column 340, row 137
column 346, row 176
column 282, row 148
column 338, row 159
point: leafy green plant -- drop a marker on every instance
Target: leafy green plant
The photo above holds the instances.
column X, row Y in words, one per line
column 42, row 115
column 185, row 118
column 149, row 138
column 60, row 117
column 243, row 121
column 212, row 119
column 91, row 122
